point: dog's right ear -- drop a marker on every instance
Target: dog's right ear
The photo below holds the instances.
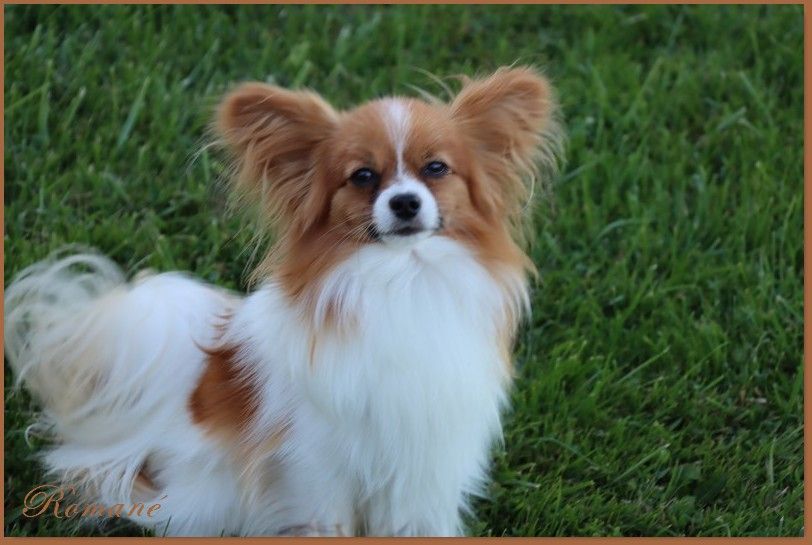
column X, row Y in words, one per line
column 273, row 134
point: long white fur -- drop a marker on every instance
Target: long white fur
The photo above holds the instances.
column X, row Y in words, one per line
column 388, row 421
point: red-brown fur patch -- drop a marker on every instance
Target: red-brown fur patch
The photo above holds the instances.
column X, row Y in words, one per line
column 224, row 401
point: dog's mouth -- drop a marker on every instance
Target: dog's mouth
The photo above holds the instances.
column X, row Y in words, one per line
column 404, row 231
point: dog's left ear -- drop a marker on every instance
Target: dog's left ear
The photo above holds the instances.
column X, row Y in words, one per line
column 509, row 118
column 273, row 134
column 506, row 112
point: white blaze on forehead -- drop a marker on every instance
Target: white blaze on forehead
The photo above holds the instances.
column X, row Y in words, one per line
column 396, row 117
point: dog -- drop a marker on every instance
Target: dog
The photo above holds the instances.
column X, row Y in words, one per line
column 358, row 389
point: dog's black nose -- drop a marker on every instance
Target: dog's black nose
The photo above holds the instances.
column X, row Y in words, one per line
column 405, row 205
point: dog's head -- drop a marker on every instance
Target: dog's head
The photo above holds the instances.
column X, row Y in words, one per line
column 392, row 171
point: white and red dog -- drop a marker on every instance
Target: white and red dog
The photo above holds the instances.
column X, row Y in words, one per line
column 358, row 390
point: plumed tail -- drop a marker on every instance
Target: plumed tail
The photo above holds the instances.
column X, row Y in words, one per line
column 49, row 309
column 111, row 363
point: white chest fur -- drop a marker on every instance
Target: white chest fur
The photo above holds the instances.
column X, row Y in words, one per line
column 397, row 406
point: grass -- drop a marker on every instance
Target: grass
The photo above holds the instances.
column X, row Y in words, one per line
column 660, row 379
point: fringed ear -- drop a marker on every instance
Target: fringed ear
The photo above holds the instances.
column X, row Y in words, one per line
column 273, row 134
column 510, row 119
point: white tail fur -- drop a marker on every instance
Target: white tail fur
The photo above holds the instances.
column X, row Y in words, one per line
column 111, row 363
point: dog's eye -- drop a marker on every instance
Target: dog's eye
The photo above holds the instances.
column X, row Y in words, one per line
column 364, row 177
column 435, row 169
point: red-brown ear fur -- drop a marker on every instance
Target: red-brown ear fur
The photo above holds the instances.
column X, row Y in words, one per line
column 510, row 121
column 273, row 134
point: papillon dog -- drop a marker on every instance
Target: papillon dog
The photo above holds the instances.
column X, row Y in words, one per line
column 358, row 389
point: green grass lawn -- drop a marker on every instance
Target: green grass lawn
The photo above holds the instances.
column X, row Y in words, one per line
column 660, row 379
